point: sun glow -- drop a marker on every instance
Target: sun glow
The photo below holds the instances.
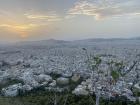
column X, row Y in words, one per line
column 21, row 29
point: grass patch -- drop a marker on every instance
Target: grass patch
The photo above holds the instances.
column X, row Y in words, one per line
column 47, row 98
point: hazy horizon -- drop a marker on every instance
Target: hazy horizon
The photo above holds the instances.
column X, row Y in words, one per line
column 33, row 20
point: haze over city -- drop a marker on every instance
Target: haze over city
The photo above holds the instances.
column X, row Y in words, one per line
column 22, row 20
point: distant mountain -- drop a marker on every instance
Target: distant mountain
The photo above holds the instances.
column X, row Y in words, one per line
column 101, row 39
column 136, row 38
column 49, row 42
column 108, row 39
column 53, row 42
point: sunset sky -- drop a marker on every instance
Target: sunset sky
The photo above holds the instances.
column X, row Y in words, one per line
column 22, row 20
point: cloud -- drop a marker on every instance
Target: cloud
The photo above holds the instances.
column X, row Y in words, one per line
column 105, row 8
column 49, row 17
column 25, row 24
column 22, row 27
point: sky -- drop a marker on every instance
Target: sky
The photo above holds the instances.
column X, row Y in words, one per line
column 22, row 20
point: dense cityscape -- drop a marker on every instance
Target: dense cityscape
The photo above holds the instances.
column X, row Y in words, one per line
column 105, row 69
